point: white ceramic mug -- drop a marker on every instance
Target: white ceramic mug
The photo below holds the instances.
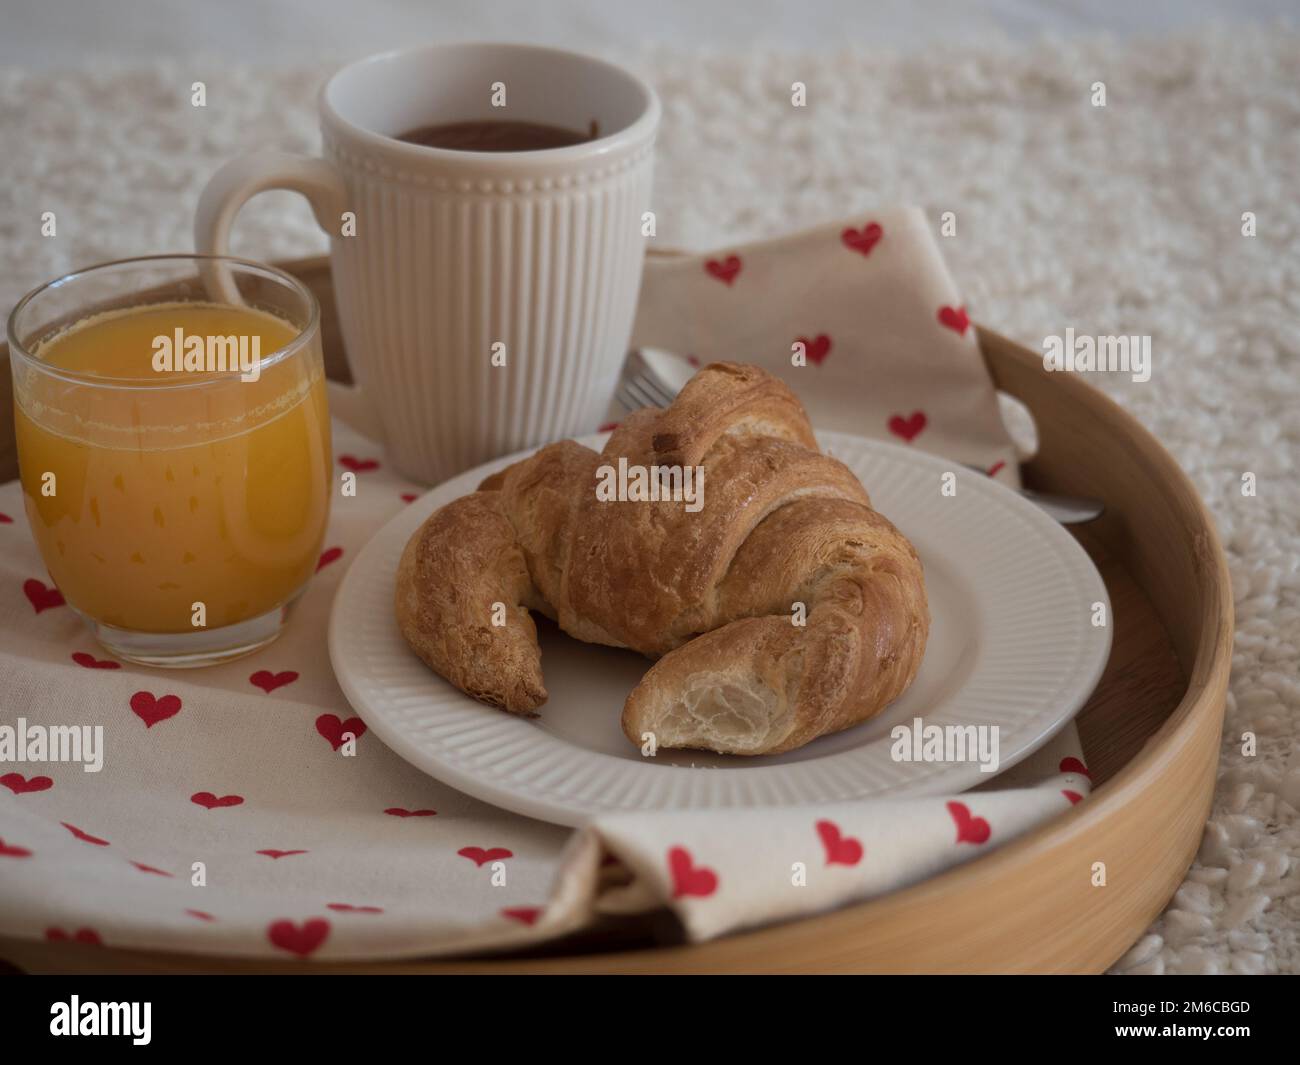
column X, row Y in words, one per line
column 462, row 260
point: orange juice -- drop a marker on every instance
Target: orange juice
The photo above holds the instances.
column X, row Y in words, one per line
column 165, row 501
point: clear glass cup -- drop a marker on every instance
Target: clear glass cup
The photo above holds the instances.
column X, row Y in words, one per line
column 178, row 495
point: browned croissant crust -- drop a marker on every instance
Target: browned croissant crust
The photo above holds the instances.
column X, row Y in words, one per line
column 783, row 609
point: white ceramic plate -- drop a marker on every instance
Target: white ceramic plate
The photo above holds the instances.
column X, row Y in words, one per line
column 1011, row 644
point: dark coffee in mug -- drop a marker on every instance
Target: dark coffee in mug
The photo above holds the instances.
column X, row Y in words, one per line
column 497, row 135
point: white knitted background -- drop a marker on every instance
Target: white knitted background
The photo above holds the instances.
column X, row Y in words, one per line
column 1117, row 220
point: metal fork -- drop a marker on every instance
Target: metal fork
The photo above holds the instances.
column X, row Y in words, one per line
column 641, row 387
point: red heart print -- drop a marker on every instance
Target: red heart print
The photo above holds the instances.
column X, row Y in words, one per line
column 1073, row 765
column 41, row 597
column 816, row 349
column 210, row 802
column 201, row 915
column 864, row 239
column 150, row 869
column 9, row 850
column 1073, row 796
column 996, row 468
column 689, row 878
column 301, row 939
column 5, row 519
column 20, row 785
column 969, row 829
column 270, row 852
column 347, row 907
column 397, row 811
column 908, row 428
column 87, row 936
column 85, row 837
column 840, row 849
column 523, row 914
column 725, row 270
column 955, row 318
column 356, row 465
column 480, row 857
column 607, row 427
column 330, row 554
column 329, row 726
column 151, row 710
column 409, row 497
column 91, row 662
column 268, row 681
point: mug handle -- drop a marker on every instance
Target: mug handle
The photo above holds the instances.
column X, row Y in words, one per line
column 241, row 179
column 227, row 191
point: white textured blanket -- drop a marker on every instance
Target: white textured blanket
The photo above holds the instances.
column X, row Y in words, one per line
column 1123, row 219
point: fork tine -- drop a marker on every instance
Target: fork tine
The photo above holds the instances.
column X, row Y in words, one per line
column 639, row 368
column 653, row 386
column 637, row 388
column 632, row 396
column 625, row 399
column 640, row 386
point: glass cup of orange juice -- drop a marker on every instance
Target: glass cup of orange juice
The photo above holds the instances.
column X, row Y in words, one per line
column 174, row 450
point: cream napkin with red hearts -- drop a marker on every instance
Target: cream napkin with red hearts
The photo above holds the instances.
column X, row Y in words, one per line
column 233, row 815
column 859, row 317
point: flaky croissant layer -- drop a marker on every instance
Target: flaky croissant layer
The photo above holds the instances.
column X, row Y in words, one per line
column 779, row 604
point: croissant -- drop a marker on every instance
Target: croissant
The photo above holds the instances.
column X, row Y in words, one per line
column 780, row 606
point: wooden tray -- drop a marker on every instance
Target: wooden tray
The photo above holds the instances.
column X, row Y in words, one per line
column 1150, row 735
